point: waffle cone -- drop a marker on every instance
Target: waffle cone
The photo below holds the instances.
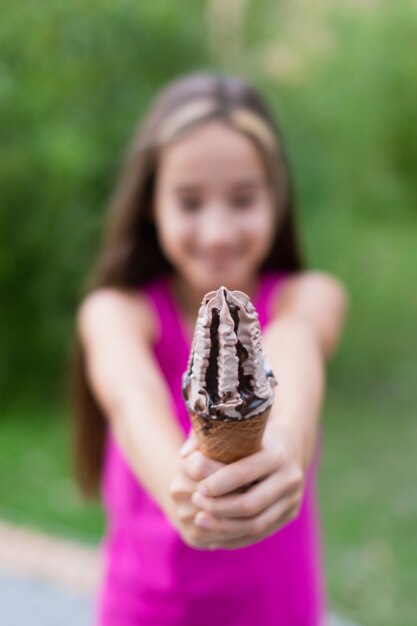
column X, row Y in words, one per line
column 229, row 441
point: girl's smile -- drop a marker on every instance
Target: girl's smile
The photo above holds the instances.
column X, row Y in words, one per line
column 213, row 208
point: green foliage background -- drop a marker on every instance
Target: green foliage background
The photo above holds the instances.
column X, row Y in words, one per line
column 74, row 80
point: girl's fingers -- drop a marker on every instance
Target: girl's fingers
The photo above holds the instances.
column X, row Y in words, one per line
column 251, row 503
column 240, row 473
column 228, row 528
column 197, row 466
column 186, row 511
column 182, row 486
column 248, row 540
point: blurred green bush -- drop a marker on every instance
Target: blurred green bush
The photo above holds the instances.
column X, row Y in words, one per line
column 74, row 79
column 349, row 120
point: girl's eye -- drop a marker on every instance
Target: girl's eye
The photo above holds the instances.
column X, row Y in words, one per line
column 190, row 204
column 244, row 201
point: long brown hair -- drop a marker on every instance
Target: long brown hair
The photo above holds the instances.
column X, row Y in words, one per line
column 130, row 253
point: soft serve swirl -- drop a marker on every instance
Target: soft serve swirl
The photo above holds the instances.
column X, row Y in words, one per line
column 226, row 377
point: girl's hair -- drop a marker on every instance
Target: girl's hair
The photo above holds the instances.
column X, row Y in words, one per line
column 130, row 253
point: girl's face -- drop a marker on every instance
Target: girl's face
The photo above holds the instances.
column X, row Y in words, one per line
column 213, row 208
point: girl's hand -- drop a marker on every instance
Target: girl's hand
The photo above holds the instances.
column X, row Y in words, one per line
column 242, row 519
column 193, row 467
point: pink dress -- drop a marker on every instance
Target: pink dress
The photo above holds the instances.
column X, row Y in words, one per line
column 152, row 578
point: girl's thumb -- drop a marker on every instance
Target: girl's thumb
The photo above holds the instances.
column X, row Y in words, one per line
column 190, row 444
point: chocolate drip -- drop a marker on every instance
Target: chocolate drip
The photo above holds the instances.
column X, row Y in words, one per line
column 212, row 378
column 245, row 386
column 228, row 399
column 185, row 387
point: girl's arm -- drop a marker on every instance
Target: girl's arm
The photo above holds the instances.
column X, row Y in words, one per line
column 117, row 330
column 309, row 316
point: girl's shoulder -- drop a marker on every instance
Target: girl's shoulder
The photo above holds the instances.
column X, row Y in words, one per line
column 308, row 287
column 316, row 297
column 108, row 308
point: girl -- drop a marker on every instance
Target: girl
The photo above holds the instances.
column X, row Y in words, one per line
column 205, row 199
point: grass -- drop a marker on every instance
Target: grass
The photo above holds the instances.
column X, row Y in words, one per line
column 36, row 484
column 367, row 486
column 369, row 508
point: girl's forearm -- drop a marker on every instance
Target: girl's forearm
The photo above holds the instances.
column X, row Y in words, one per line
column 150, row 439
column 294, row 354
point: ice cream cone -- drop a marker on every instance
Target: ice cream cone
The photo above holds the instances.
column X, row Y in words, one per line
column 227, row 387
column 229, row 440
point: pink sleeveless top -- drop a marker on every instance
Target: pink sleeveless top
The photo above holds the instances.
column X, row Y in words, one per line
column 152, row 578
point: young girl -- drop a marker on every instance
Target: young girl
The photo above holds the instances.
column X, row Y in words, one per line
column 205, row 200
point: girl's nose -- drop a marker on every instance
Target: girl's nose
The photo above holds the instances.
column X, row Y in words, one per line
column 217, row 227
